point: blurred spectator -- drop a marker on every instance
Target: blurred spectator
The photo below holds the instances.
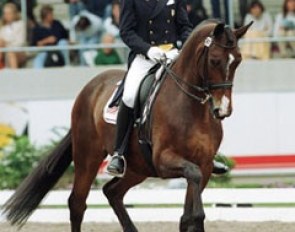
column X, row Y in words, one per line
column 75, row 7
column 196, row 12
column 101, row 8
column 50, row 32
column 30, row 4
column 86, row 29
column 12, row 34
column 107, row 56
column 285, row 26
column 111, row 24
column 216, row 10
column 31, row 20
column 261, row 28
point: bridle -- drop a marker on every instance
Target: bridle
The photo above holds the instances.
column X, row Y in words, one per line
column 207, row 86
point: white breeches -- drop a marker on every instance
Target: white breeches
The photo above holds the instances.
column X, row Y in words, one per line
column 137, row 71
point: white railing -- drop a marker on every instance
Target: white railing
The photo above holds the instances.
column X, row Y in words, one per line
column 33, row 49
column 123, row 46
column 167, row 205
column 61, row 48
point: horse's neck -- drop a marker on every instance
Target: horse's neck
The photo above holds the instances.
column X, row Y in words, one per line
column 179, row 105
column 189, row 73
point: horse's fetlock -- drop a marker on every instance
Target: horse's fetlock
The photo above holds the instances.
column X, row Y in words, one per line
column 199, row 217
column 185, row 218
column 185, row 221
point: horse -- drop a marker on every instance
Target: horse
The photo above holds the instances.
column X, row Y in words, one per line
column 187, row 115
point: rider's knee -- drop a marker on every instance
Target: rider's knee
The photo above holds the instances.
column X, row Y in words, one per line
column 128, row 100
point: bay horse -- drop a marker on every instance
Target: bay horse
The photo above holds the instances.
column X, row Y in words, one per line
column 186, row 133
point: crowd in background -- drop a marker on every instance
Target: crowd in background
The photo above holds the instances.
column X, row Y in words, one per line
column 97, row 22
column 91, row 22
column 264, row 26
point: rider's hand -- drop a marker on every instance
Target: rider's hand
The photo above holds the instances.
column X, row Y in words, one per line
column 155, row 54
column 172, row 54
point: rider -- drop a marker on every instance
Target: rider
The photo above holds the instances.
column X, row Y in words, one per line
column 151, row 29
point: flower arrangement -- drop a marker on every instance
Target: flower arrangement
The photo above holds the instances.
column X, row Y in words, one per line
column 6, row 135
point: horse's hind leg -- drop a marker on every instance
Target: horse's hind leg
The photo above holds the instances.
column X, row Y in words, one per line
column 115, row 191
column 87, row 158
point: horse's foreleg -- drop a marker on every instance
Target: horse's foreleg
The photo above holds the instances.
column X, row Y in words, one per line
column 188, row 209
column 189, row 199
column 193, row 175
column 115, row 191
column 174, row 166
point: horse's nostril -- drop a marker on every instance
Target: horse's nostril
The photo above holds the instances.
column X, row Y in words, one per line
column 216, row 112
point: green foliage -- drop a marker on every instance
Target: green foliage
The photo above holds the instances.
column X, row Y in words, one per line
column 20, row 156
column 17, row 161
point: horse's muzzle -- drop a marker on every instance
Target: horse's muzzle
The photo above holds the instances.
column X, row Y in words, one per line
column 221, row 109
column 218, row 115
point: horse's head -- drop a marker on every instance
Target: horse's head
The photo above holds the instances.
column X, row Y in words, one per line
column 221, row 61
column 216, row 57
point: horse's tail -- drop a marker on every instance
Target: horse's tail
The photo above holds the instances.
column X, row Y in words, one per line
column 33, row 189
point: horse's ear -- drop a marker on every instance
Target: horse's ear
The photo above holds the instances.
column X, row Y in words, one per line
column 242, row 30
column 218, row 30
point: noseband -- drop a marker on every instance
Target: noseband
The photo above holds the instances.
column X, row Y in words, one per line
column 207, row 86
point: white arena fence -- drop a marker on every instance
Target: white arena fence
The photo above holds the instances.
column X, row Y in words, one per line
column 166, row 205
column 261, row 124
column 123, row 46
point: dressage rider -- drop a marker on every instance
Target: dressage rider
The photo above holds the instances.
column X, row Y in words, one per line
column 151, row 29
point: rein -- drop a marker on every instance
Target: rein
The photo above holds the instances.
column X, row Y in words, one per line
column 207, row 86
column 179, row 81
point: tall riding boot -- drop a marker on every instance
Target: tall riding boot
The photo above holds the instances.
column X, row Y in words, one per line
column 125, row 121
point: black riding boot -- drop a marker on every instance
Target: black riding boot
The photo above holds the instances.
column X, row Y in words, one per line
column 125, row 123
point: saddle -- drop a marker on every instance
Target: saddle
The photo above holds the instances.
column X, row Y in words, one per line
column 148, row 91
column 144, row 100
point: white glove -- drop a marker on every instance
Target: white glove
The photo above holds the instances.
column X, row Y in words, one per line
column 155, row 54
column 172, row 54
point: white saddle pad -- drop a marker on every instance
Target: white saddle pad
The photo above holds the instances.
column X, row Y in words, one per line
column 110, row 114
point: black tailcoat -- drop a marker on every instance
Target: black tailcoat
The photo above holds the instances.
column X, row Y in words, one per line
column 146, row 23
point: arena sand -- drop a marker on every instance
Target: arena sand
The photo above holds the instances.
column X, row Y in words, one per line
column 217, row 226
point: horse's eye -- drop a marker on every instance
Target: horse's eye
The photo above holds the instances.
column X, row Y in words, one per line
column 215, row 62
